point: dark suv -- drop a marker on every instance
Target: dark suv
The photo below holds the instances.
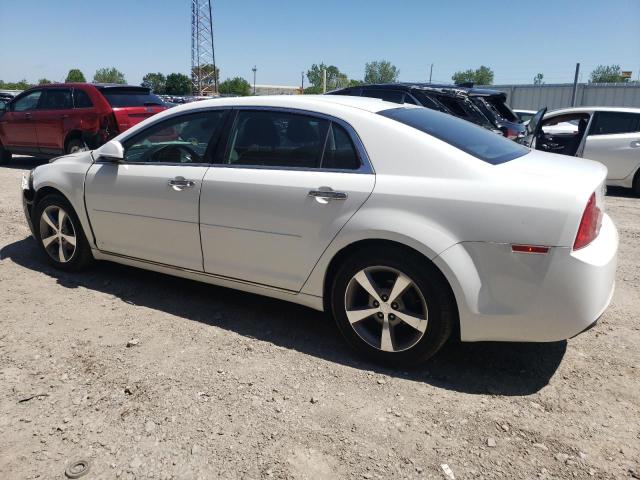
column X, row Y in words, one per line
column 478, row 105
column 55, row 119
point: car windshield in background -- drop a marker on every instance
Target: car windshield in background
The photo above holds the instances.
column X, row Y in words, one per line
column 477, row 141
column 122, row 97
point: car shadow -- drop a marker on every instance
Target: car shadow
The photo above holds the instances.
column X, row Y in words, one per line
column 476, row 368
column 621, row 192
column 25, row 163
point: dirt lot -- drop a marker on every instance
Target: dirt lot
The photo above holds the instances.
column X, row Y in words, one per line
column 223, row 384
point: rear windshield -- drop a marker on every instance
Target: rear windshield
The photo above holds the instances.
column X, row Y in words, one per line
column 496, row 104
column 122, row 97
column 472, row 139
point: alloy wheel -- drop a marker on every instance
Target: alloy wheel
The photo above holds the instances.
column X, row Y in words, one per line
column 386, row 308
column 58, row 234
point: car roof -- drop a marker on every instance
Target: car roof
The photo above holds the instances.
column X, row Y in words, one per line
column 594, row 109
column 434, row 87
column 87, row 84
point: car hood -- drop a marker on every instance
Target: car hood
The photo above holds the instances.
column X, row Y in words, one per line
column 78, row 157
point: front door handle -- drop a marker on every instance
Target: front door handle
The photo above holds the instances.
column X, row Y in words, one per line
column 180, row 183
column 327, row 195
column 635, row 144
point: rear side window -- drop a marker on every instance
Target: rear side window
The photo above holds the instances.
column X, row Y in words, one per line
column 607, row 123
column 277, row 139
column 129, row 97
column 394, row 96
column 339, row 151
column 56, row 99
column 497, row 103
column 81, row 99
column 472, row 139
column 28, row 102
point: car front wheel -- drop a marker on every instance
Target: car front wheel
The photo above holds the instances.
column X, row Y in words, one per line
column 59, row 234
column 393, row 306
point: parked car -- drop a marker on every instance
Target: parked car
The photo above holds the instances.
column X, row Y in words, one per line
column 480, row 106
column 405, row 223
column 54, row 119
column 5, row 98
column 608, row 135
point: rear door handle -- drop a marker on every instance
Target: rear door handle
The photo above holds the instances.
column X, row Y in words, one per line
column 180, row 183
column 635, row 144
column 327, row 194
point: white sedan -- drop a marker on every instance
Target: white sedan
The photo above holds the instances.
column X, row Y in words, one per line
column 406, row 224
column 609, row 135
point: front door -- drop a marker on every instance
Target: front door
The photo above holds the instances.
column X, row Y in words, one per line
column 18, row 123
column 286, row 186
column 146, row 206
column 614, row 140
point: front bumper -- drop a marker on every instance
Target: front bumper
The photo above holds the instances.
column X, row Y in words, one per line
column 28, row 197
column 505, row 296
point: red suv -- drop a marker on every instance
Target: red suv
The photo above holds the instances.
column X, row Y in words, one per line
column 64, row 118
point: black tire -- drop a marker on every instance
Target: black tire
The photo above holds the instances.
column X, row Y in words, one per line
column 5, row 155
column 81, row 256
column 636, row 183
column 436, row 293
column 75, row 145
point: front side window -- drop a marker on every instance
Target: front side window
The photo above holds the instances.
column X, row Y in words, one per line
column 609, row 123
column 276, row 139
column 56, row 99
column 472, row 139
column 182, row 139
column 28, row 102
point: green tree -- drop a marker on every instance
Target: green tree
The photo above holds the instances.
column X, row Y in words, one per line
column 75, row 76
column 177, row 84
column 607, row 74
column 335, row 78
column 480, row 76
column 235, row 86
column 537, row 80
column 155, row 81
column 207, row 75
column 109, row 75
column 380, row 71
column 21, row 85
column 44, row 81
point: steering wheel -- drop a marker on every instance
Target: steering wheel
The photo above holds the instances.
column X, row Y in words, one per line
column 171, row 150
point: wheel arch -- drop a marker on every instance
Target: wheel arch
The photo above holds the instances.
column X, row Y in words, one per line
column 72, row 135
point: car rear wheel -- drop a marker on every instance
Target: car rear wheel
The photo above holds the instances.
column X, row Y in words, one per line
column 59, row 234
column 76, row 145
column 393, row 306
column 5, row 156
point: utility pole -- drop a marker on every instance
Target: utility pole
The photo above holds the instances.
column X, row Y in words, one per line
column 301, row 82
column 254, row 69
column 324, row 80
column 430, row 72
column 574, row 92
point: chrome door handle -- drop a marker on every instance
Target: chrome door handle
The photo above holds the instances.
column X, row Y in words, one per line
column 180, row 183
column 327, row 194
column 635, row 144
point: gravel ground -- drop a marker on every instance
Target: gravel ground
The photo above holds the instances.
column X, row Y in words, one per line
column 149, row 376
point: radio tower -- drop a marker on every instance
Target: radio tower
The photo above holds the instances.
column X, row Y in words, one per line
column 203, row 61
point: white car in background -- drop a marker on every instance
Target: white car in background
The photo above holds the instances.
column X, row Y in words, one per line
column 609, row 135
column 408, row 225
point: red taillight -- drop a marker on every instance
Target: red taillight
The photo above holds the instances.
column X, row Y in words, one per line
column 589, row 225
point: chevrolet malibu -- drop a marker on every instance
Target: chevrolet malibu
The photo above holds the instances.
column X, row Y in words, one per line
column 408, row 225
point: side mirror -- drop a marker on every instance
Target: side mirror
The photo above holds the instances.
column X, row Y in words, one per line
column 112, row 151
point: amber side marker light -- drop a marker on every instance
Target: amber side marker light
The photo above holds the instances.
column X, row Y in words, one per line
column 529, row 249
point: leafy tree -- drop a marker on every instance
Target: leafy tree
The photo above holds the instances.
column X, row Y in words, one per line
column 109, row 75
column 335, row 78
column 481, row 76
column 537, row 80
column 207, row 75
column 21, row 85
column 235, row 86
column 177, row 84
column 75, row 76
column 607, row 74
column 155, row 81
column 44, row 81
column 380, row 71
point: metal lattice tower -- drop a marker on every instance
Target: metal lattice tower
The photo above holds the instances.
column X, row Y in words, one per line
column 203, row 60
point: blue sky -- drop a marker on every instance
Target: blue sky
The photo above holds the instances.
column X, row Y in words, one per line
column 45, row 38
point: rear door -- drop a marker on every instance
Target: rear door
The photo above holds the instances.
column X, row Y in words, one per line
column 52, row 119
column 18, row 125
column 285, row 186
column 131, row 105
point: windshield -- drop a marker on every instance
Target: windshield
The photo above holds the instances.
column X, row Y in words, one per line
column 472, row 139
column 122, row 97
